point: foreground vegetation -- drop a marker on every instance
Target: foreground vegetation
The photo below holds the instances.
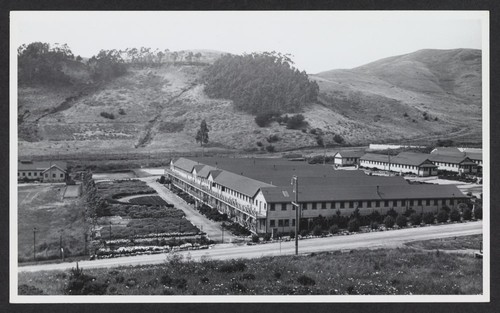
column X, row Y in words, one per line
column 402, row 271
column 464, row 242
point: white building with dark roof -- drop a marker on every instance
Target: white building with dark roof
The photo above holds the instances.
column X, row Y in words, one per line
column 405, row 162
column 346, row 158
column 257, row 193
column 46, row 171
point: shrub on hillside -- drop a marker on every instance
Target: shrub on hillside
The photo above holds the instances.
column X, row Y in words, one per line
column 442, row 216
column 455, row 215
column 270, row 148
column 273, row 138
column 415, row 219
column 295, row 122
column 428, row 218
column 389, row 221
column 259, row 144
column 467, row 214
column 353, row 225
column 108, row 115
column 338, row 139
column 264, row 119
column 121, row 111
column 401, row 221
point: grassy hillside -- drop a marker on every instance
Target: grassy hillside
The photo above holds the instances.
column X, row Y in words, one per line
column 393, row 94
column 426, row 95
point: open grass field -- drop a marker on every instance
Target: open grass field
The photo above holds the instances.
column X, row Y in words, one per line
column 43, row 207
column 402, row 271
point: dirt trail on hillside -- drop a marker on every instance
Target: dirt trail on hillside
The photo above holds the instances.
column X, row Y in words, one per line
column 147, row 136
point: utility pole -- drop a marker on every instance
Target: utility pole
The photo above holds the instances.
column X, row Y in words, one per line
column 60, row 244
column 223, row 231
column 34, row 243
column 109, row 230
column 295, row 182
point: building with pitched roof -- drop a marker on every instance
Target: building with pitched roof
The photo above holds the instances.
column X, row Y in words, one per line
column 46, row 171
column 346, row 158
column 257, row 193
column 405, row 162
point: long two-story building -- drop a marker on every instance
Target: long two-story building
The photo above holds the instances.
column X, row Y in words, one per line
column 258, row 193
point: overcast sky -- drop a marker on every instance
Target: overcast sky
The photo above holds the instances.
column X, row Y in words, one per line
column 317, row 40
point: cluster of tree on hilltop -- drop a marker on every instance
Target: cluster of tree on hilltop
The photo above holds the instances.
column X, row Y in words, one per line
column 38, row 62
column 41, row 63
column 260, row 82
column 149, row 56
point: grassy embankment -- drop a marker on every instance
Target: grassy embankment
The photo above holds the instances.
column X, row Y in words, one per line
column 376, row 272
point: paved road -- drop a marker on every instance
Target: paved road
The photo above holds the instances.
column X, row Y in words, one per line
column 385, row 239
column 213, row 229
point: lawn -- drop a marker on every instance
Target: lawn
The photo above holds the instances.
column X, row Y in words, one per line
column 43, row 207
column 148, row 200
column 452, row 243
column 402, row 271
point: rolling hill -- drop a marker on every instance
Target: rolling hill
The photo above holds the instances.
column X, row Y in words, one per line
column 425, row 95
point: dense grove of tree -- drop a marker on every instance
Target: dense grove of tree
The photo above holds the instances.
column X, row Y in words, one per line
column 258, row 83
column 106, row 65
column 38, row 62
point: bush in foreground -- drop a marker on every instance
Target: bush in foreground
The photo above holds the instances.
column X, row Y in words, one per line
column 467, row 214
column 353, row 225
column 401, row 221
column 389, row 221
column 455, row 215
column 415, row 219
column 442, row 216
column 428, row 218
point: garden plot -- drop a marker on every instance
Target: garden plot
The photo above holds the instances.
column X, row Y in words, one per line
column 146, row 220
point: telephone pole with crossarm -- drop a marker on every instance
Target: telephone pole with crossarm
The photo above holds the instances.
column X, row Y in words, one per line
column 295, row 182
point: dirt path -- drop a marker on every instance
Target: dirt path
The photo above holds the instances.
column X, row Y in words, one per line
column 213, row 229
column 152, row 126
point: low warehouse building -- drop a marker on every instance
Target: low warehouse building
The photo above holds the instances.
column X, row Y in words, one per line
column 346, row 158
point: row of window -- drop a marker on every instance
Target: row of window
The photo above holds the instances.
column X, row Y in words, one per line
column 359, row 204
column 282, row 223
column 36, row 173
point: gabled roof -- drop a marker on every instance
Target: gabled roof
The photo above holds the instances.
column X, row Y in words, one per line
column 185, row 164
column 40, row 165
column 205, row 171
column 241, row 184
column 411, row 158
column 451, row 159
column 375, row 157
column 54, row 166
column 350, row 154
column 197, row 168
column 473, row 155
column 425, row 191
column 360, row 193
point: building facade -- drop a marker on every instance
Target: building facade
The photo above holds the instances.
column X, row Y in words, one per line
column 263, row 206
column 347, row 158
column 44, row 171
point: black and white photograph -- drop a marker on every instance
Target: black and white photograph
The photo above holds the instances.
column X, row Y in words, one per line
column 235, row 156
